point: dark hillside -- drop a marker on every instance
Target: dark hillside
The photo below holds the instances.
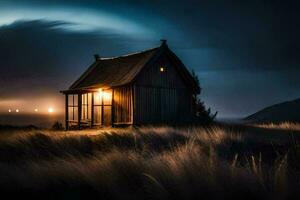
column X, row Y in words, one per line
column 286, row 111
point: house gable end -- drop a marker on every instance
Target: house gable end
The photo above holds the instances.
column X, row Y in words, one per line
column 160, row 73
column 166, row 71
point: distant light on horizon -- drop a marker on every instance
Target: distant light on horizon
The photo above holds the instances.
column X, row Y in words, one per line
column 50, row 110
column 24, row 106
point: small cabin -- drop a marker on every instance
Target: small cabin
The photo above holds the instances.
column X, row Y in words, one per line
column 148, row 87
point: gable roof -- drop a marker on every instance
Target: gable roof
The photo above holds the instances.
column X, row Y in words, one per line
column 122, row 70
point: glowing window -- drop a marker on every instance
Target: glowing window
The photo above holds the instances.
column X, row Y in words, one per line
column 162, row 69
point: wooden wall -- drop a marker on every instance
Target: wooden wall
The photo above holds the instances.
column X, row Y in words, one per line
column 122, row 105
column 161, row 97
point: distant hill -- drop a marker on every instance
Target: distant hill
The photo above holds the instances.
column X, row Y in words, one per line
column 286, row 111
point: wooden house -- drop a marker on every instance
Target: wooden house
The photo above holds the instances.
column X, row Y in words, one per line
column 148, row 87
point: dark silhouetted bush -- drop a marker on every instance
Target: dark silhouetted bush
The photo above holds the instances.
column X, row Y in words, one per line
column 202, row 114
column 57, row 126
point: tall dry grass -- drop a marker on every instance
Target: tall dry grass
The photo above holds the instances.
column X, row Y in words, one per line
column 283, row 126
column 215, row 162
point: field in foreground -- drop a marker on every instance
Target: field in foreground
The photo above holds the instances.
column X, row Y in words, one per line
column 217, row 162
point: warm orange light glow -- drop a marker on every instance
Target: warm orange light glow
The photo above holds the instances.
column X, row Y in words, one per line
column 103, row 94
column 27, row 104
column 36, row 110
column 50, row 110
column 106, row 96
column 162, row 69
column 17, row 110
column 99, row 94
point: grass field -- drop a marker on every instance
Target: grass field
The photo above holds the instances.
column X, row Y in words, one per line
column 216, row 162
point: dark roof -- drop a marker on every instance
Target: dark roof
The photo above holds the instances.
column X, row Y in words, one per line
column 118, row 71
column 110, row 72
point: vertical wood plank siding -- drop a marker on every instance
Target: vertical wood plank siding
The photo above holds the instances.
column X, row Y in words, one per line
column 123, row 105
column 161, row 105
column 66, row 111
column 161, row 97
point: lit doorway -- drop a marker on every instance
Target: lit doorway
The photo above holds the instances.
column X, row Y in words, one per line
column 102, row 107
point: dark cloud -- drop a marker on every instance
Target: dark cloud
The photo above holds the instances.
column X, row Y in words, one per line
column 42, row 56
column 261, row 34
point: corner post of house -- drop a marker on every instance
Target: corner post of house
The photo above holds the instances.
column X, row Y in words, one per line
column 79, row 109
column 92, row 111
column 102, row 112
column 66, row 111
column 133, row 106
column 112, row 108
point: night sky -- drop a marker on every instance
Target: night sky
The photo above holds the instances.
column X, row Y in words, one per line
column 246, row 53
